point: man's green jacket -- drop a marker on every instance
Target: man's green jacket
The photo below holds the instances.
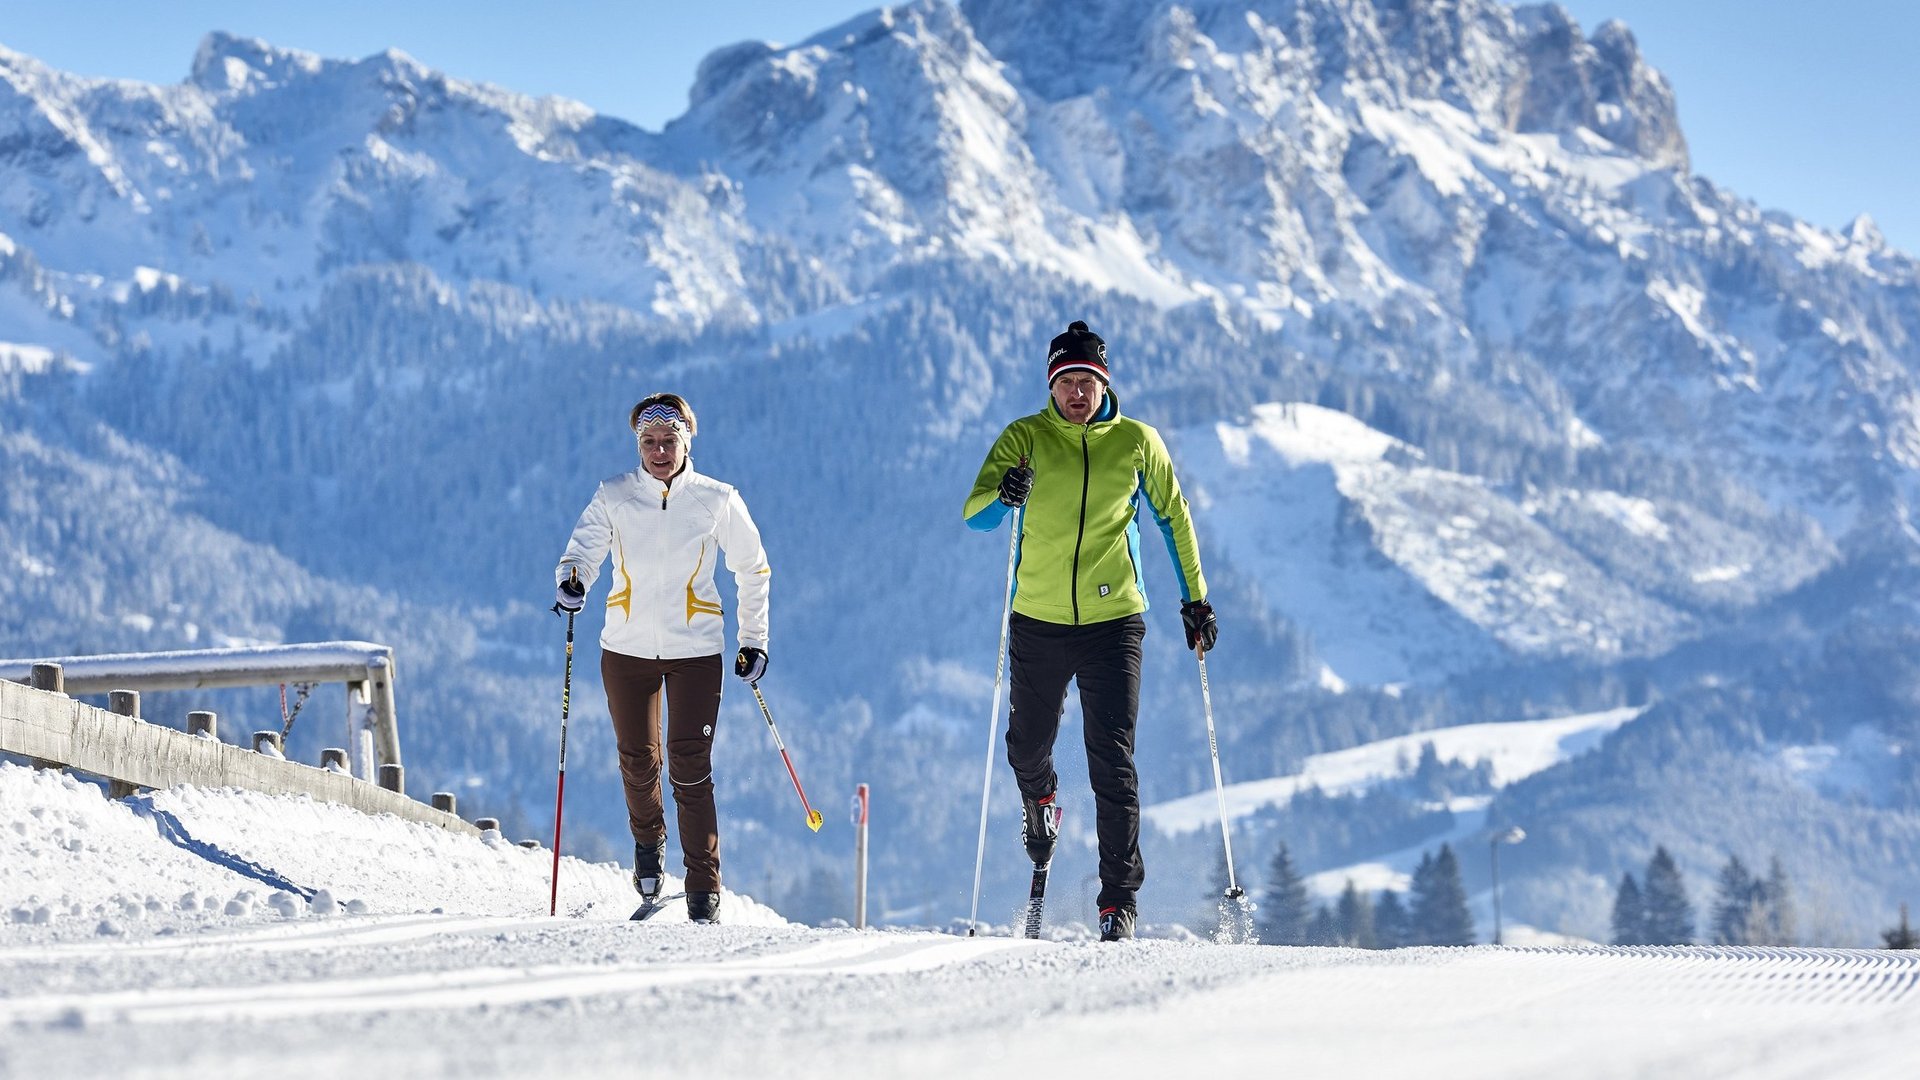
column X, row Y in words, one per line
column 1079, row 547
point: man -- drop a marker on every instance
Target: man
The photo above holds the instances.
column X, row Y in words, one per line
column 1081, row 469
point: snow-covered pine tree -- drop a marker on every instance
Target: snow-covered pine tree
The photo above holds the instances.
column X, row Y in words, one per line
column 1284, row 912
column 1629, row 913
column 1669, row 912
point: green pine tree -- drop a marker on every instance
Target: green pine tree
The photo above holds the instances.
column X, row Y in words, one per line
column 1733, row 903
column 1284, row 912
column 1780, row 924
column 1669, row 912
column 1324, row 929
column 1353, row 918
column 1629, row 913
column 1392, row 925
column 1440, row 915
column 1902, row 936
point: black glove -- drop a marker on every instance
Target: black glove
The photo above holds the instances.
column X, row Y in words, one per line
column 750, row 664
column 1201, row 629
column 1016, row 485
column 571, row 596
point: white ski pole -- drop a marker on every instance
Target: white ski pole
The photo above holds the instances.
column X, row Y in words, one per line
column 993, row 720
column 1234, row 891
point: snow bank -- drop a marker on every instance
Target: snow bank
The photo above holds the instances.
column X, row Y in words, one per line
column 70, row 857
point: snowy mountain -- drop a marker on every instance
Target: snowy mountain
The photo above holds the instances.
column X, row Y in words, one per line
column 1489, row 407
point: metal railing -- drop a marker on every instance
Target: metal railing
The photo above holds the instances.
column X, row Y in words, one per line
column 366, row 668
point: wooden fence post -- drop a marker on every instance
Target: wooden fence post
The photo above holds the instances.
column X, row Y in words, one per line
column 393, row 778
column 264, row 739
column 122, row 703
column 202, row 722
column 335, row 758
column 444, row 800
column 50, row 677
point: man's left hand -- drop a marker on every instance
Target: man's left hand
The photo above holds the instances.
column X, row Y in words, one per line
column 1197, row 615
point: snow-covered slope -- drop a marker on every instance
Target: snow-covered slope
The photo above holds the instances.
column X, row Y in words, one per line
column 1405, row 570
column 481, row 985
column 545, row 998
column 1515, row 750
column 75, row 864
column 1490, row 406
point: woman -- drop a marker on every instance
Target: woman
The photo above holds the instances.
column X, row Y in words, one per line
column 664, row 525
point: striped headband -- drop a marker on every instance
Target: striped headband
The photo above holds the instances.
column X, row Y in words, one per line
column 664, row 415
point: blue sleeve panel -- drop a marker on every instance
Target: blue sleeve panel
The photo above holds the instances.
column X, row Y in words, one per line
column 1166, row 531
column 988, row 517
column 1133, row 553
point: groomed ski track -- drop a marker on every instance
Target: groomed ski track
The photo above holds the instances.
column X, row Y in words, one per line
column 441, row 995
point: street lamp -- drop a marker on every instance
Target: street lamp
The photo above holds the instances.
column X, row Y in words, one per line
column 1507, row 836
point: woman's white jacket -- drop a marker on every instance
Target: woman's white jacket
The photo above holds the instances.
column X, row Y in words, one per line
column 665, row 539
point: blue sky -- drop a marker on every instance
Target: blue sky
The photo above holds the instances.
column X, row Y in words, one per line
column 1807, row 107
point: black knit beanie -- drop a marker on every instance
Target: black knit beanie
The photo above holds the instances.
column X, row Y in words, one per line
column 1079, row 349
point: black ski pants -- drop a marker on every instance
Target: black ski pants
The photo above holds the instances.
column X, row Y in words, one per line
column 1104, row 658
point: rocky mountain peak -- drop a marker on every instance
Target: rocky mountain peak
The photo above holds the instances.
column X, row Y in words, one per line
column 229, row 63
column 1602, row 85
column 1865, row 232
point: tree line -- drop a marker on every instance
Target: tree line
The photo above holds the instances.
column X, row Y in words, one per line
column 1747, row 909
column 1654, row 909
column 1433, row 911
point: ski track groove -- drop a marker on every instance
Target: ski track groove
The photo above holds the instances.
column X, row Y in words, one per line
column 481, row 986
column 1757, row 976
column 364, row 930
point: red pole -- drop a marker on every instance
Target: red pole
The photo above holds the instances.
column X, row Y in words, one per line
column 813, row 816
column 559, row 805
column 560, row 788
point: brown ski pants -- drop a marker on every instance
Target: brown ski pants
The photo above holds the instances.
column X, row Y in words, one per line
column 692, row 701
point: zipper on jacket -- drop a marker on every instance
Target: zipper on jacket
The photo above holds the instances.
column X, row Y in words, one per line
column 1086, row 478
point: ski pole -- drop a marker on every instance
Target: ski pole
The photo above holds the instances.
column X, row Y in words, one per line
column 993, row 719
column 560, row 788
column 814, row 818
column 1234, row 891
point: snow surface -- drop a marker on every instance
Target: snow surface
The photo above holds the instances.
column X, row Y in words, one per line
column 72, row 862
column 129, row 978
column 1515, row 750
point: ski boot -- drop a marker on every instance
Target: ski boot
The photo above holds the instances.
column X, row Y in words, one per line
column 1116, row 923
column 1040, row 819
column 703, row 907
column 647, row 873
